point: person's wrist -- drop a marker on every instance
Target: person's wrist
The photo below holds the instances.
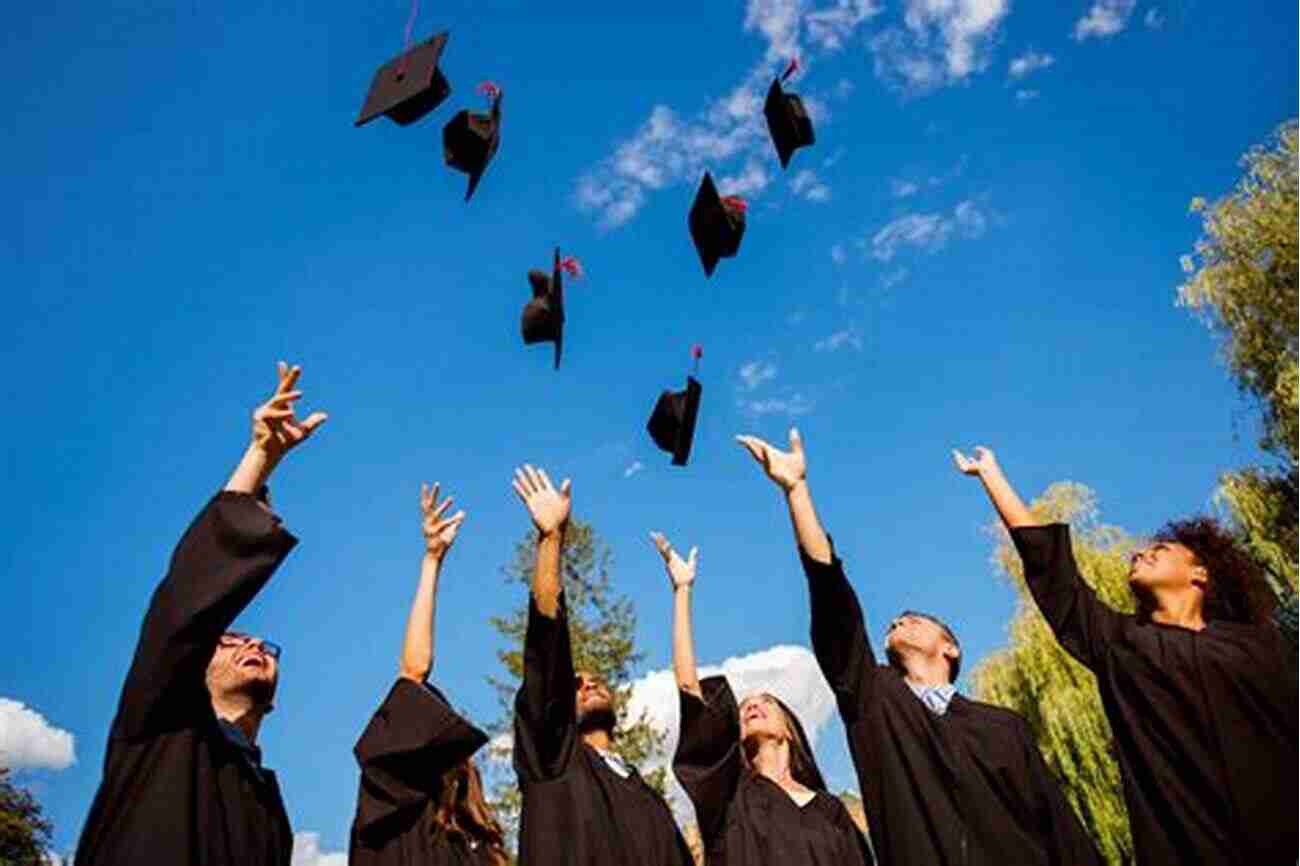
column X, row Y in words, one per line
column 681, row 589
column 800, row 486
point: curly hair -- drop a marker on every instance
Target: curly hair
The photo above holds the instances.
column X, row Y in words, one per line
column 1237, row 591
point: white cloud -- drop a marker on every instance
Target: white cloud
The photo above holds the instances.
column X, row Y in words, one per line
column 1028, row 62
column 838, row 255
column 755, row 373
column 28, row 741
column 791, row 405
column 902, row 188
column 945, row 41
column 850, row 337
column 1105, row 18
column 1024, row 95
column 1154, row 19
column 307, row 852
column 807, row 185
column 892, row 278
column 844, row 88
column 669, row 149
column 633, row 469
column 928, row 232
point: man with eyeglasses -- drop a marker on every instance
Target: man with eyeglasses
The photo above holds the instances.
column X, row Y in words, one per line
column 183, row 776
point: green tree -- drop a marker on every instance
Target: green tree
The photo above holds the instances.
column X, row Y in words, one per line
column 24, row 830
column 1033, row 676
column 602, row 627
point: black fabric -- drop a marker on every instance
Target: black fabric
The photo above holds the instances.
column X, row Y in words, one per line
column 746, row 819
column 470, row 140
column 672, row 421
column 716, row 227
column 1204, row 722
column 176, row 790
column 968, row 788
column 542, row 320
column 409, row 86
column 576, row 810
column 788, row 122
column 411, row 740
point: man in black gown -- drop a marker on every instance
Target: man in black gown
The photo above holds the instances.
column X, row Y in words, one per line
column 582, row 805
column 1199, row 686
column 944, row 780
column 183, row 777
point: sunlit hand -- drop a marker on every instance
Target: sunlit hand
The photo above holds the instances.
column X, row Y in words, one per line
column 786, row 468
column 982, row 462
column 275, row 429
column 680, row 571
column 439, row 530
column 548, row 507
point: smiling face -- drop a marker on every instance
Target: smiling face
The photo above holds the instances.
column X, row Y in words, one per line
column 1165, row 565
column 762, row 716
column 915, row 633
column 243, row 665
column 593, row 701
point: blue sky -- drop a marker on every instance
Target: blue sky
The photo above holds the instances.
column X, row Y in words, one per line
column 982, row 247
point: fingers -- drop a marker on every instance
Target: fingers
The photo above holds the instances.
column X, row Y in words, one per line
column 313, row 421
column 451, row 523
column 983, row 453
column 535, row 482
column 519, row 489
column 280, row 398
column 661, row 544
column 692, row 557
column 288, row 377
column 796, row 441
column 755, row 446
column 524, row 484
column 546, row 481
column 566, row 489
column 959, row 459
column 428, row 496
column 441, row 509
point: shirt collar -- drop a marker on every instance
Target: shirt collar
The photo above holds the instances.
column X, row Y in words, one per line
column 935, row 698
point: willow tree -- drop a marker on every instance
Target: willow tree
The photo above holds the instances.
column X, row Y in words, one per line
column 1058, row 696
column 602, row 628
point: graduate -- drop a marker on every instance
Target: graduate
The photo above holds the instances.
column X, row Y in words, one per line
column 759, row 796
column 944, row 780
column 183, row 779
column 421, row 800
column 582, row 804
column 1199, row 685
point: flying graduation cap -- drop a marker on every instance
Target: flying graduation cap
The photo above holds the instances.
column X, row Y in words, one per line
column 717, row 224
column 409, row 86
column 543, row 317
column 470, row 139
column 672, row 423
column 787, row 119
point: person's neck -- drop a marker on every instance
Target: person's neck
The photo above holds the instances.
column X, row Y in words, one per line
column 599, row 739
column 931, row 671
column 773, row 760
column 1180, row 608
column 241, row 713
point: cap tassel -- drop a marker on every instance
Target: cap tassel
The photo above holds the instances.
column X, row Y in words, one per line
column 489, row 89
column 791, row 69
column 571, row 266
column 735, row 202
column 697, row 352
column 406, row 40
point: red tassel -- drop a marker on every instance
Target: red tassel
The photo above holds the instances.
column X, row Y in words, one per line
column 489, row 89
column 791, row 69
column 571, row 266
column 697, row 351
column 735, row 202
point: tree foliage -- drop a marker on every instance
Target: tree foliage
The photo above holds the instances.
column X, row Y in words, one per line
column 1058, row 696
column 602, row 626
column 24, row 830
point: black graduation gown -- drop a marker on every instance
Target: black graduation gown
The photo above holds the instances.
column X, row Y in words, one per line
column 968, row 788
column 411, row 740
column 746, row 819
column 176, row 790
column 576, row 810
column 1204, row 722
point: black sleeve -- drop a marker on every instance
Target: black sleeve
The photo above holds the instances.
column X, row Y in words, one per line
column 545, row 716
column 225, row 557
column 1081, row 623
column 411, row 740
column 839, row 635
column 708, row 761
column 1068, row 842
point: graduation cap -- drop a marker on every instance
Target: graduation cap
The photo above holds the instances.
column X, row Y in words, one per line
column 543, row 317
column 470, row 139
column 787, row 119
column 717, row 224
column 672, row 423
column 409, row 86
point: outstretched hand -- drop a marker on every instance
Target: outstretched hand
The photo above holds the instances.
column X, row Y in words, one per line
column 983, row 461
column 276, row 430
column 548, row 506
column 681, row 572
column 786, row 468
column 439, row 530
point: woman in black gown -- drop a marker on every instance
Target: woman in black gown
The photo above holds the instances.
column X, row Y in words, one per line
column 421, row 800
column 749, row 770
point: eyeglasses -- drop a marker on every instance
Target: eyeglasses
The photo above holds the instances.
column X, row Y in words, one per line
column 238, row 639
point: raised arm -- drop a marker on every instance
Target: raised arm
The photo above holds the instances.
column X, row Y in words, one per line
column 439, row 534
column 839, row 634
column 225, row 557
column 1010, row 507
column 681, row 574
column 545, row 715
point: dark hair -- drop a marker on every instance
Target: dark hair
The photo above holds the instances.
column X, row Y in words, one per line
column 954, row 664
column 1237, row 590
column 463, row 810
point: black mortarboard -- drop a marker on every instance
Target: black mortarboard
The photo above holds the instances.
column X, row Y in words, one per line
column 543, row 318
column 409, row 86
column 717, row 224
column 672, row 423
column 470, row 139
column 787, row 121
